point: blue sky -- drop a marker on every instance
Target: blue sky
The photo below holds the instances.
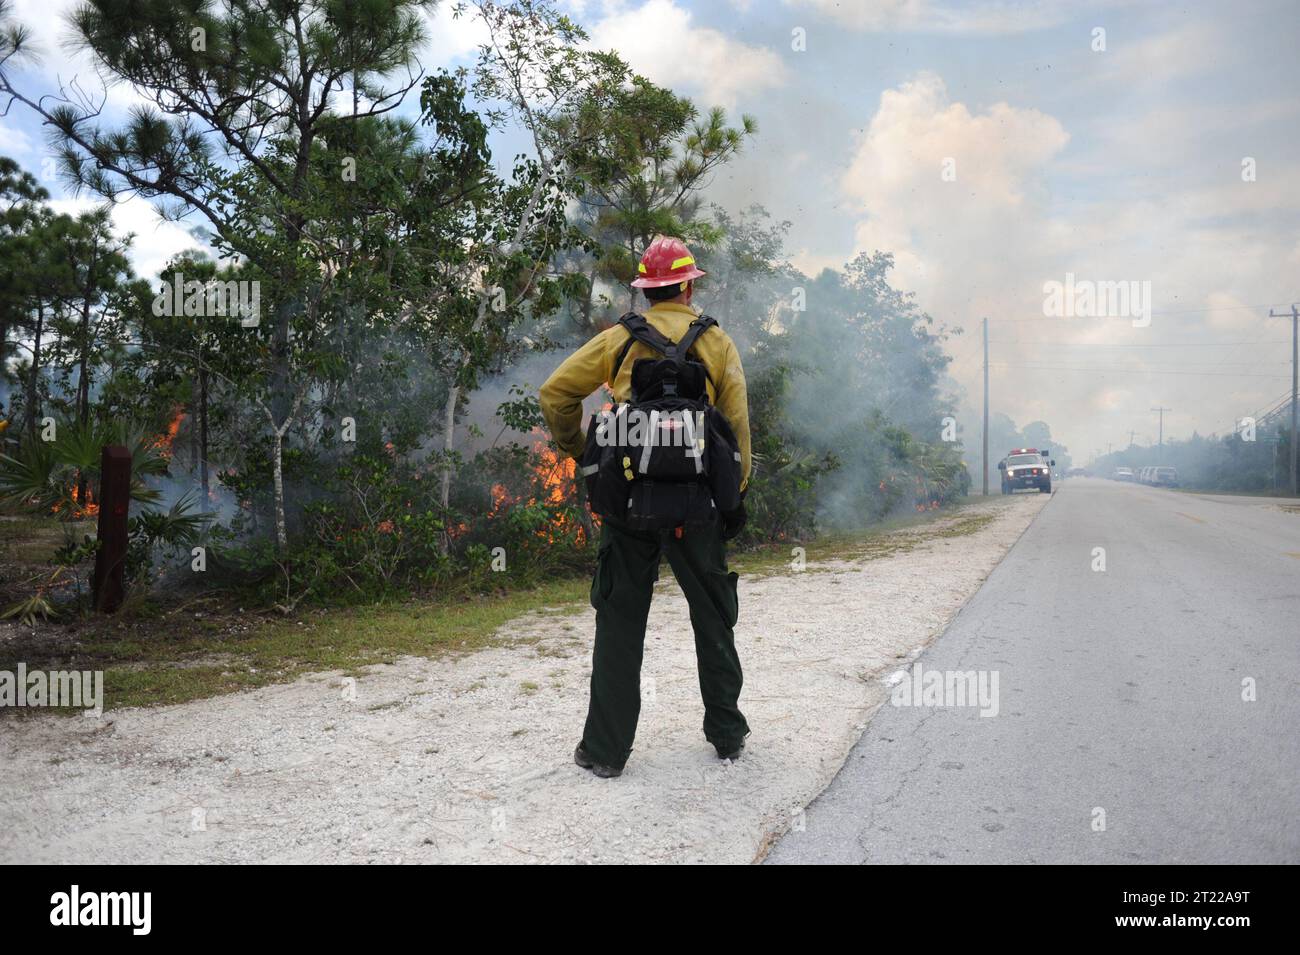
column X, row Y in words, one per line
column 1122, row 164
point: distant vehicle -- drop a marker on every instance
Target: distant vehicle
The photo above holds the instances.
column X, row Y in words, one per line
column 1077, row 472
column 1123, row 474
column 1164, row 477
column 1026, row 467
column 1143, row 475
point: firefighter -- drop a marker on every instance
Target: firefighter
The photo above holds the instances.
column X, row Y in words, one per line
column 628, row 560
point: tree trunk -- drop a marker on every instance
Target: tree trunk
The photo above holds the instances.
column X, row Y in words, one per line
column 587, row 302
column 83, row 391
column 448, row 446
column 278, row 431
column 203, row 433
column 277, row 466
column 448, row 441
column 83, row 386
column 194, row 427
column 33, row 395
column 83, row 381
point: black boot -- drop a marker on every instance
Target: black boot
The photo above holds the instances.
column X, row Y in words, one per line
column 583, row 759
column 731, row 751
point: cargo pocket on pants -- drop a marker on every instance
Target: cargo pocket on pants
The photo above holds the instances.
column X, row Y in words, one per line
column 602, row 581
column 725, row 596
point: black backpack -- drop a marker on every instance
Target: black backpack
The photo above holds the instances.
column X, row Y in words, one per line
column 666, row 457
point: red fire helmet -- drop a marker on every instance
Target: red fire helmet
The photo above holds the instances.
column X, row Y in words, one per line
column 666, row 261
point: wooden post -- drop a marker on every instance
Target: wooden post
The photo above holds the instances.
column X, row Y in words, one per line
column 108, row 585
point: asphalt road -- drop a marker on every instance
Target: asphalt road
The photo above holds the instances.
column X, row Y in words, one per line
column 1121, row 734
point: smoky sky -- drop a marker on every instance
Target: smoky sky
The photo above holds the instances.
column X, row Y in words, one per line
column 991, row 148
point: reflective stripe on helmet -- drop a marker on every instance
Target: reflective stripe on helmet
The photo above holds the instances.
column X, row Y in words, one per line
column 667, row 261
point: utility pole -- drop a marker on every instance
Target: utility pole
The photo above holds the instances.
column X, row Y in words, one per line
column 1295, row 361
column 985, row 461
column 1160, row 455
column 1131, row 435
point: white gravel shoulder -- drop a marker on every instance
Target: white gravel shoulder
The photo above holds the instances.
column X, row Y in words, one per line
column 469, row 759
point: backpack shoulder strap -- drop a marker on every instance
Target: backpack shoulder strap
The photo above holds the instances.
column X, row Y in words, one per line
column 697, row 328
column 694, row 331
column 640, row 330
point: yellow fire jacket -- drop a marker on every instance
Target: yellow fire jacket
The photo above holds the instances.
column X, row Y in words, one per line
column 589, row 367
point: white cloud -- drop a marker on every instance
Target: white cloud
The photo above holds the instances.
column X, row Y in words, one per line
column 985, row 243
column 812, row 263
column 940, row 229
column 1169, row 135
column 17, row 144
column 660, row 42
column 155, row 241
column 451, row 38
column 60, row 61
column 929, row 16
column 1187, row 50
column 46, row 21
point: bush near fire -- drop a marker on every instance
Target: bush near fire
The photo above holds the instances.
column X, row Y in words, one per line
column 370, row 433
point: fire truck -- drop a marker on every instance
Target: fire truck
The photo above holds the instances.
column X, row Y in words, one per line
column 1026, row 467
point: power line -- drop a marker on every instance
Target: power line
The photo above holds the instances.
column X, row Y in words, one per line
column 1149, row 345
column 1148, row 361
column 1128, row 318
column 1230, row 352
column 1273, row 406
column 1295, row 387
column 1214, row 308
column 1134, row 371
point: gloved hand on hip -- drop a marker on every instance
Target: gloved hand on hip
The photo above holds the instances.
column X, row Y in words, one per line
column 733, row 522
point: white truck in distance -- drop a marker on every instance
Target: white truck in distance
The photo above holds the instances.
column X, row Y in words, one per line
column 1026, row 467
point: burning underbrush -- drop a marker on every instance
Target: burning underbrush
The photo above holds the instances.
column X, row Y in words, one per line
column 528, row 507
column 376, row 528
column 366, row 522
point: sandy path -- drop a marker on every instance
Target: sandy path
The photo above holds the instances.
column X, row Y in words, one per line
column 469, row 759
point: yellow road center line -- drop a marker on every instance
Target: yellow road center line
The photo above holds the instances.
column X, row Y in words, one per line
column 1292, row 553
column 1189, row 517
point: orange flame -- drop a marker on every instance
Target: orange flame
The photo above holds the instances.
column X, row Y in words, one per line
column 79, row 512
column 168, row 438
column 553, row 485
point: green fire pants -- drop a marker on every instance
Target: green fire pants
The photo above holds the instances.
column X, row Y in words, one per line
column 626, row 571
